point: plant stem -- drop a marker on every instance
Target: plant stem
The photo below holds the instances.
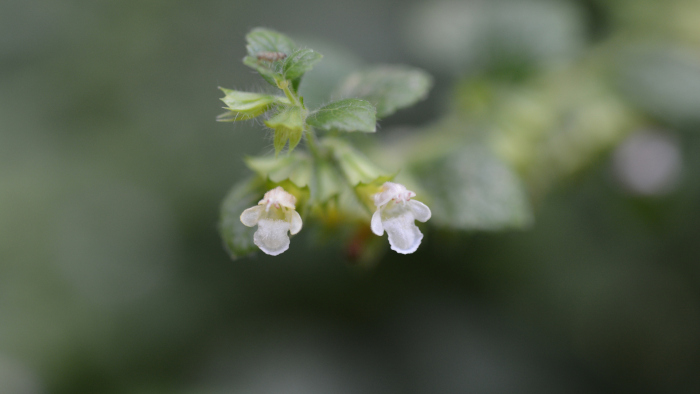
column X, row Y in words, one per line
column 284, row 85
column 310, row 137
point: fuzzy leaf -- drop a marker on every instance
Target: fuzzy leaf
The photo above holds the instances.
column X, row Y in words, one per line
column 300, row 62
column 345, row 115
column 269, row 71
column 388, row 88
column 238, row 238
column 266, row 40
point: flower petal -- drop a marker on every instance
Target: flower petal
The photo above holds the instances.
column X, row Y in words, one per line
column 376, row 224
column 294, row 222
column 420, row 210
column 250, row 216
column 404, row 236
column 271, row 236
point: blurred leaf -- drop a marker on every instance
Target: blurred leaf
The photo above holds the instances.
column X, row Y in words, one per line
column 288, row 126
column 329, row 182
column 460, row 37
column 245, row 105
column 664, row 81
column 237, row 237
column 473, row 190
column 338, row 63
column 300, row 62
column 388, row 88
column 296, row 167
column 266, row 40
column 345, row 115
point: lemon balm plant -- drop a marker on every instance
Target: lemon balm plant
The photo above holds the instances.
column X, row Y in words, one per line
column 330, row 181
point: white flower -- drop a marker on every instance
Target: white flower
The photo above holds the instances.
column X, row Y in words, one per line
column 396, row 213
column 274, row 215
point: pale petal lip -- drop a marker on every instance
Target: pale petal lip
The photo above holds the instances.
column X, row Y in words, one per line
column 251, row 216
column 410, row 250
column 404, row 236
column 420, row 210
column 294, row 222
column 271, row 236
column 376, row 224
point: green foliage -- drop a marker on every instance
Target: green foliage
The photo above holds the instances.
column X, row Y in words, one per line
column 300, row 62
column 335, row 180
column 266, row 40
column 262, row 41
column 388, row 88
column 238, row 238
column 345, row 115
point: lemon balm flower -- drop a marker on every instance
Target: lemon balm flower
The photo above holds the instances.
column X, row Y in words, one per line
column 396, row 213
column 275, row 215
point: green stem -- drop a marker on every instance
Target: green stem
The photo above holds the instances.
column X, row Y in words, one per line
column 284, row 85
column 294, row 99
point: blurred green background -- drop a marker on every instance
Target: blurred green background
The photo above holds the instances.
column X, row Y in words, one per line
column 113, row 278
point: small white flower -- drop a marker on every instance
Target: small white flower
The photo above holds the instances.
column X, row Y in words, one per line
column 396, row 213
column 274, row 215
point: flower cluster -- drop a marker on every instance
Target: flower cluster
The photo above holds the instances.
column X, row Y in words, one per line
column 322, row 175
column 275, row 216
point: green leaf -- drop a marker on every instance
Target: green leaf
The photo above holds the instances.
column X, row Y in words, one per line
column 288, row 126
column 237, row 237
column 268, row 71
column 296, row 167
column 345, row 115
column 266, row 40
column 300, row 62
column 388, row 88
column 245, row 105
column 474, row 190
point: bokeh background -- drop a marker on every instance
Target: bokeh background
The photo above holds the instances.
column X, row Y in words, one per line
column 113, row 278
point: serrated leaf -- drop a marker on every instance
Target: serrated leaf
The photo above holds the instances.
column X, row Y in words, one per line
column 238, row 239
column 300, row 62
column 345, row 115
column 296, row 167
column 388, row 88
column 474, row 190
column 267, row 40
column 246, row 105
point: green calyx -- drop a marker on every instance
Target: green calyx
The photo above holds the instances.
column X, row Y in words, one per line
column 245, row 105
column 288, row 125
